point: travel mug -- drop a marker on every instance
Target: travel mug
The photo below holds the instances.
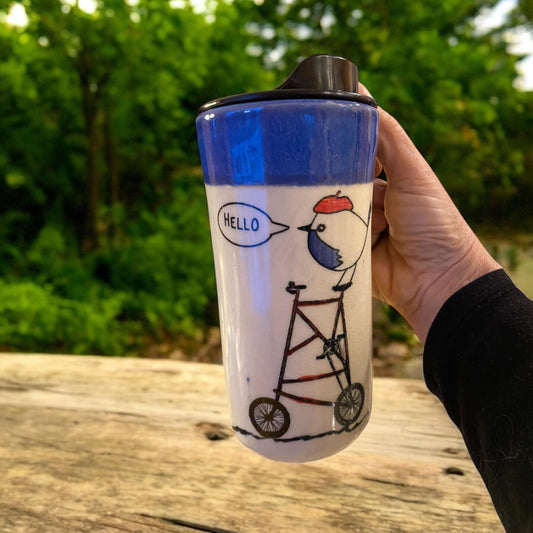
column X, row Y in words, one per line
column 288, row 176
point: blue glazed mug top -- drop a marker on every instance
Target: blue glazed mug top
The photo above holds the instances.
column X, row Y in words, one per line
column 288, row 142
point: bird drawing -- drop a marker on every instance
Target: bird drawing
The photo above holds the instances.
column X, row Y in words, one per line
column 337, row 236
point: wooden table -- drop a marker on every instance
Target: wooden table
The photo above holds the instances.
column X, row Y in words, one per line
column 113, row 444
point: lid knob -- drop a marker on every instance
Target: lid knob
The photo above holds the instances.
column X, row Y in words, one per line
column 324, row 73
column 316, row 77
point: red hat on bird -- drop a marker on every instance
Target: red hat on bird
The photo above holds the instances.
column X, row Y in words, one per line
column 333, row 204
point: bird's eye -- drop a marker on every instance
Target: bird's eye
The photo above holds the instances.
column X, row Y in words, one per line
column 321, row 227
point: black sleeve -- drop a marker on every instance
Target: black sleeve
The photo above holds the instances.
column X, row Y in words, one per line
column 478, row 360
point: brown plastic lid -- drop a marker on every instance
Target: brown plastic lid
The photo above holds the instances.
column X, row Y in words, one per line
column 316, row 77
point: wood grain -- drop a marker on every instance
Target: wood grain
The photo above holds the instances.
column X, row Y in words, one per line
column 113, row 444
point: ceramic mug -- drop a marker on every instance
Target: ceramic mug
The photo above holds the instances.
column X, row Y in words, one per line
column 288, row 176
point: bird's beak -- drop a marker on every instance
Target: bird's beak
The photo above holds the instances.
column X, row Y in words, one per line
column 305, row 228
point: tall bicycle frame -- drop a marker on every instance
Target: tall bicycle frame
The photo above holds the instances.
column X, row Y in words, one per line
column 269, row 416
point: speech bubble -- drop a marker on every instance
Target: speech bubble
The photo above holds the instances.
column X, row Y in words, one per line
column 246, row 225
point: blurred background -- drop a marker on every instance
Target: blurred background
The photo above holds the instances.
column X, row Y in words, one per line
column 104, row 239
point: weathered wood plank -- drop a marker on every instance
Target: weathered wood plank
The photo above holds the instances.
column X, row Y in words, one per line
column 107, row 444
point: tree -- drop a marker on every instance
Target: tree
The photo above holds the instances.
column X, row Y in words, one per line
column 119, row 89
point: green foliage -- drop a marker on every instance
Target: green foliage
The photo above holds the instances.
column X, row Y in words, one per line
column 156, row 284
column 97, row 110
column 33, row 318
column 164, row 268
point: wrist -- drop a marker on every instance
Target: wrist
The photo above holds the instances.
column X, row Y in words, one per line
column 476, row 263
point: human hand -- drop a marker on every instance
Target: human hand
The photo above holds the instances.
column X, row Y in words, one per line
column 424, row 251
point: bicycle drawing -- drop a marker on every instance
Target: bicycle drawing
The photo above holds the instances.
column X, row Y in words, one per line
column 336, row 239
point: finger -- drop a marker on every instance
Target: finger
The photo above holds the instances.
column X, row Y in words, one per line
column 377, row 238
column 363, row 90
column 379, row 221
column 378, row 168
column 378, row 194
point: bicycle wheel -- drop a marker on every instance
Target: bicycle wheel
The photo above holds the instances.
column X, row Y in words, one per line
column 269, row 417
column 349, row 404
